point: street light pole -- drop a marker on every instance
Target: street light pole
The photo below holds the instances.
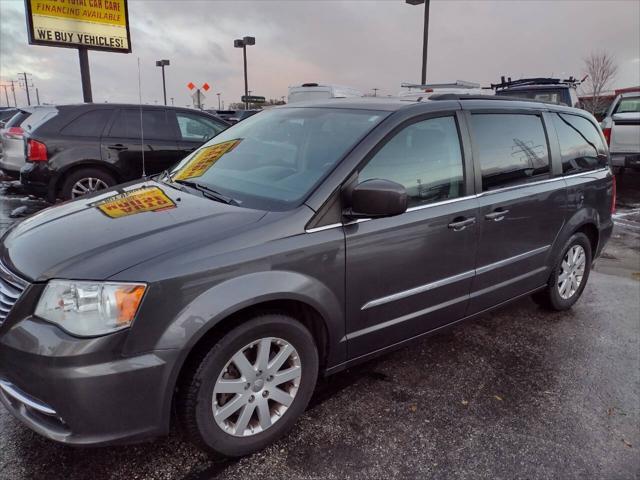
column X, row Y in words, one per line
column 162, row 64
column 218, row 101
column 425, row 39
column 243, row 43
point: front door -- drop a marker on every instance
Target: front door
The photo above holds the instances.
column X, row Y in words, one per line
column 194, row 130
column 521, row 206
column 134, row 131
column 412, row 273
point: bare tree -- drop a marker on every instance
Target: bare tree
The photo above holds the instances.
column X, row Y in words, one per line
column 601, row 69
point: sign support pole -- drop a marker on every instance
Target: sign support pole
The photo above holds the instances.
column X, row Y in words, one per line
column 85, row 75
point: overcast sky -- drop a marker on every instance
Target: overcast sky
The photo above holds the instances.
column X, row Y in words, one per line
column 360, row 43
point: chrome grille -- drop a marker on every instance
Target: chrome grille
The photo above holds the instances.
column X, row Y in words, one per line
column 11, row 287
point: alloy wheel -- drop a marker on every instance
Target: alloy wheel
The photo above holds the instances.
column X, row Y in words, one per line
column 572, row 272
column 87, row 185
column 256, row 387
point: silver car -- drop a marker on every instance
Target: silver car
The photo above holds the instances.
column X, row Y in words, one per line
column 11, row 136
column 621, row 128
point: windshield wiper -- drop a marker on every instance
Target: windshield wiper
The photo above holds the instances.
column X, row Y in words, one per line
column 209, row 192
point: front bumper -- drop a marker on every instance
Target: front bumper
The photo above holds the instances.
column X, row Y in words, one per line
column 83, row 391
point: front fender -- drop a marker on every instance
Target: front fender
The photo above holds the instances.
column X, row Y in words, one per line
column 233, row 295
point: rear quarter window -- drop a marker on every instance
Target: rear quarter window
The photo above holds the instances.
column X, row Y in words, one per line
column 581, row 146
column 89, row 124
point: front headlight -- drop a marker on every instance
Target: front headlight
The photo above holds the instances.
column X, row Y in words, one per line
column 88, row 309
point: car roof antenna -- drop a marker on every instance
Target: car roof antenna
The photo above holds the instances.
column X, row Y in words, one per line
column 144, row 173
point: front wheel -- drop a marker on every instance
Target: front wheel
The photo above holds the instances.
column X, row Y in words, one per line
column 569, row 276
column 248, row 389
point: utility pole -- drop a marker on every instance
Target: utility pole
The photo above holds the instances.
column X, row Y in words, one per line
column 242, row 43
column 26, row 86
column 162, row 64
column 13, row 90
column 425, row 42
column 37, row 95
column 218, row 101
column 6, row 95
column 85, row 75
column 425, row 38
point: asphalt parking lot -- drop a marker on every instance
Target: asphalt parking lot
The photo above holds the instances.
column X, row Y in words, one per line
column 518, row 393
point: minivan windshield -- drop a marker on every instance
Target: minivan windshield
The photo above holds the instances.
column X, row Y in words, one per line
column 274, row 160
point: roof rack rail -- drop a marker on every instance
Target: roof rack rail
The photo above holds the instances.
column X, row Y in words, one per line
column 456, row 84
column 462, row 96
column 507, row 83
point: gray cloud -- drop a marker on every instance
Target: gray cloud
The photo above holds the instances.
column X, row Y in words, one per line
column 361, row 43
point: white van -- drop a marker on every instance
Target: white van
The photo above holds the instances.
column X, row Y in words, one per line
column 320, row 91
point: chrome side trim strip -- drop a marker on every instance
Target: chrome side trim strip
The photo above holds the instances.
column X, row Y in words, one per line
column 467, row 197
column 455, row 278
column 443, row 202
column 420, row 289
column 404, row 318
column 10, row 390
column 324, row 227
column 507, row 261
column 477, row 293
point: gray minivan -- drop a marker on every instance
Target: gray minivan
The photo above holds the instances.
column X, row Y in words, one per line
column 296, row 243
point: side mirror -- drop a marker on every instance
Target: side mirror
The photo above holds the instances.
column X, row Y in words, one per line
column 377, row 198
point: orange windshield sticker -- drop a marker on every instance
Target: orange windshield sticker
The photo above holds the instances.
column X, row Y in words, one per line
column 146, row 199
column 204, row 159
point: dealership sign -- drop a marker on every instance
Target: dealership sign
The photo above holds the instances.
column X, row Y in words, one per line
column 90, row 24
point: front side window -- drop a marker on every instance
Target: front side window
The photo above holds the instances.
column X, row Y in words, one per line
column 581, row 147
column 425, row 158
column 512, row 149
column 153, row 124
column 274, row 160
column 195, row 128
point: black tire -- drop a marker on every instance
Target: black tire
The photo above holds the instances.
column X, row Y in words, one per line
column 550, row 297
column 85, row 173
column 194, row 399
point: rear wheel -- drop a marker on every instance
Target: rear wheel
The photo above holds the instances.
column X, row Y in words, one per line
column 569, row 276
column 248, row 389
column 85, row 181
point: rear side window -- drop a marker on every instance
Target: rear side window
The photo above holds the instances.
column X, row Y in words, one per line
column 581, row 147
column 154, row 124
column 17, row 119
column 512, row 149
column 89, row 124
column 425, row 158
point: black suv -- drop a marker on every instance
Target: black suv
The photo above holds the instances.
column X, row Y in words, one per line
column 298, row 242
column 89, row 147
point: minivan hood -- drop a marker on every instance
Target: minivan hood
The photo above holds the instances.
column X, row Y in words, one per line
column 97, row 236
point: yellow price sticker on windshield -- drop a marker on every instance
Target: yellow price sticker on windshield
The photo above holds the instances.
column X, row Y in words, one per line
column 145, row 199
column 204, row 159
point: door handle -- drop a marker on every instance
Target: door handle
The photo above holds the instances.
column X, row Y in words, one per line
column 117, row 146
column 496, row 215
column 461, row 223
